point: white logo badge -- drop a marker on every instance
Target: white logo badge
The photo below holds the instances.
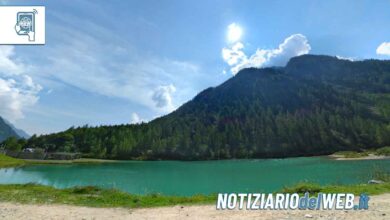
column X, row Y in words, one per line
column 22, row 25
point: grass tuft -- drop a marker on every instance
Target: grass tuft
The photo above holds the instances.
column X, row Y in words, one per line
column 85, row 190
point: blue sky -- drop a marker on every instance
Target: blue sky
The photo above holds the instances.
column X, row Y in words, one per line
column 119, row 62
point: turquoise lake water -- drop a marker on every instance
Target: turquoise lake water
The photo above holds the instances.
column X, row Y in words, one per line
column 197, row 177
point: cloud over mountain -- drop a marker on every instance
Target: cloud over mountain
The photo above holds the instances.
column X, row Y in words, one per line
column 294, row 45
column 135, row 118
column 162, row 96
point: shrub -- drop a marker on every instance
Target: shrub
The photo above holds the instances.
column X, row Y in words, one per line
column 385, row 151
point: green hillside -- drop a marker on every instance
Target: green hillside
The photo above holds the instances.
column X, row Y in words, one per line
column 315, row 105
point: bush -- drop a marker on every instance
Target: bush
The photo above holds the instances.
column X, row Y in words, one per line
column 384, row 151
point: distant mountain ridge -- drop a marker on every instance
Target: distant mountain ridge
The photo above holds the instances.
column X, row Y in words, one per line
column 315, row 105
column 6, row 130
column 21, row 133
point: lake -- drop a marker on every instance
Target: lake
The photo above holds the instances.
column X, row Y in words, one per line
column 197, row 177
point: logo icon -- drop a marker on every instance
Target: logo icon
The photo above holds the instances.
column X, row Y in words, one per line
column 25, row 24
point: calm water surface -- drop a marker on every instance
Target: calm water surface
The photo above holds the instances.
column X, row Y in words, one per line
column 188, row 178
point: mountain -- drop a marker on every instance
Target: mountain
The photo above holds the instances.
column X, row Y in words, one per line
column 315, row 105
column 18, row 131
column 6, row 131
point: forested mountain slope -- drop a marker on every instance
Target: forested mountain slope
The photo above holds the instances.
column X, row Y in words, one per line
column 315, row 105
column 6, row 130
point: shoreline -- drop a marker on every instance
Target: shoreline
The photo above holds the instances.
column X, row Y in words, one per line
column 93, row 160
column 11, row 162
column 85, row 161
column 75, row 161
column 379, row 208
column 25, row 162
column 369, row 157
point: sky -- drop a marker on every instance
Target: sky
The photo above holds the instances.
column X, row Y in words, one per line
column 120, row 62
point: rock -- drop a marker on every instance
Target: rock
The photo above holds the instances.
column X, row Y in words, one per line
column 308, row 216
column 375, row 182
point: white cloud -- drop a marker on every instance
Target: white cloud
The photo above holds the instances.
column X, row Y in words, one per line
column 87, row 61
column 17, row 90
column 234, row 55
column 384, row 49
column 135, row 119
column 162, row 96
column 345, row 58
column 7, row 65
column 294, row 45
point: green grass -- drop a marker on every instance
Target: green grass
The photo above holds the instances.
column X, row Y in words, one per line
column 6, row 161
column 92, row 197
column 96, row 197
column 357, row 189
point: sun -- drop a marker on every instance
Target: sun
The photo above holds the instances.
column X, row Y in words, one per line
column 234, row 33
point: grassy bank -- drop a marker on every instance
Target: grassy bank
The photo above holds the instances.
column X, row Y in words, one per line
column 92, row 196
column 313, row 188
column 75, row 161
column 380, row 153
column 96, row 197
column 6, row 161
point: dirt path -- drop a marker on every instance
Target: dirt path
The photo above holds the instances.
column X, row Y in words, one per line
column 379, row 209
